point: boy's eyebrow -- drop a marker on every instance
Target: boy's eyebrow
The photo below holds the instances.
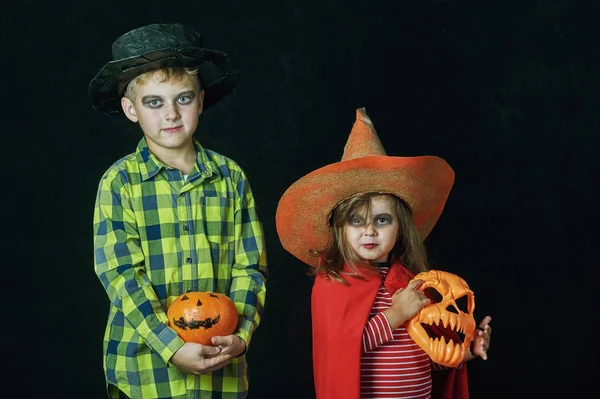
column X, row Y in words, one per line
column 151, row 97
column 189, row 93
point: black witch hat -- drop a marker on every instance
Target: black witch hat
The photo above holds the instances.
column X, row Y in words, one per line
column 154, row 47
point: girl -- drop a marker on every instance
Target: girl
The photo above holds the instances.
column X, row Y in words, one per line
column 361, row 224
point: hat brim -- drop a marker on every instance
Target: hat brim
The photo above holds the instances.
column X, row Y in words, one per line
column 302, row 216
column 214, row 70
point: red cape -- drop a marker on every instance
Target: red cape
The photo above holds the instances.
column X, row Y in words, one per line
column 339, row 315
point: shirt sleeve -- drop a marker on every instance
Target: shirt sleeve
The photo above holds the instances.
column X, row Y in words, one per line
column 249, row 272
column 119, row 264
column 376, row 333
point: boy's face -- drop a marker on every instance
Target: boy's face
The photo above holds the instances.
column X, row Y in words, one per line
column 167, row 113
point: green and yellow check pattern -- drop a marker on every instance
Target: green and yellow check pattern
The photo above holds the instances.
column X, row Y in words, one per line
column 157, row 236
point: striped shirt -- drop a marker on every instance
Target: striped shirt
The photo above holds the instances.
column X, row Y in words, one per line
column 392, row 364
column 157, row 236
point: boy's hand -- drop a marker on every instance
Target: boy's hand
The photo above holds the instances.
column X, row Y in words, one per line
column 230, row 344
column 198, row 359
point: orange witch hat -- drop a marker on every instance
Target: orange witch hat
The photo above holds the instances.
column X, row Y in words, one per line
column 303, row 212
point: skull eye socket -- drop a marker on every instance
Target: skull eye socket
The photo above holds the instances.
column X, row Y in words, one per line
column 433, row 294
column 461, row 303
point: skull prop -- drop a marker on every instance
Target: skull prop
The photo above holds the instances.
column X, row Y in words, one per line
column 447, row 292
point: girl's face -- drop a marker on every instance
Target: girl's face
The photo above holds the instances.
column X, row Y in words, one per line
column 373, row 233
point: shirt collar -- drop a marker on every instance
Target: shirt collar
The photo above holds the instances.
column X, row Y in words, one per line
column 150, row 165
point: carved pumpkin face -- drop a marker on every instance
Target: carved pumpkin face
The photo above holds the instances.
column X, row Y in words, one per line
column 199, row 316
column 451, row 310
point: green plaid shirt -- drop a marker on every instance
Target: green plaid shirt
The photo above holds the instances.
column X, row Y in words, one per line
column 157, row 236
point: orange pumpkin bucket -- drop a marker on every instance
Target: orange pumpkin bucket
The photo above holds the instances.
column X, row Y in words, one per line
column 199, row 316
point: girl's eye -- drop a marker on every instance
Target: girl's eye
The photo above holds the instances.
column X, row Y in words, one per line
column 356, row 221
column 185, row 99
column 382, row 220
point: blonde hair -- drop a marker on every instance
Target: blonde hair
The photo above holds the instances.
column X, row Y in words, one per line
column 177, row 74
column 408, row 250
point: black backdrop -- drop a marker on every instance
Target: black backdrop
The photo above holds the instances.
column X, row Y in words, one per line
column 505, row 91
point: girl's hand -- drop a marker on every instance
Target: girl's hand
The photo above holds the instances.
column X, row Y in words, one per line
column 406, row 303
column 482, row 338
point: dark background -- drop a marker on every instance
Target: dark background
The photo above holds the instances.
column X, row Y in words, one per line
column 505, row 91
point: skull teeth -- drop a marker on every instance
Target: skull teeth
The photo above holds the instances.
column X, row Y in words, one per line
column 448, row 353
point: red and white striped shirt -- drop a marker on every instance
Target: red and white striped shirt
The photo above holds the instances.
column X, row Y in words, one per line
column 392, row 364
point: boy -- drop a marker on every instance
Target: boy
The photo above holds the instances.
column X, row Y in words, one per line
column 170, row 218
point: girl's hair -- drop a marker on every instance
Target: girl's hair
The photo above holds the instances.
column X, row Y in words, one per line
column 178, row 74
column 408, row 250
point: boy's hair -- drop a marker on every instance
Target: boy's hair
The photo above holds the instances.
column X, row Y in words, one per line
column 408, row 250
column 178, row 74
